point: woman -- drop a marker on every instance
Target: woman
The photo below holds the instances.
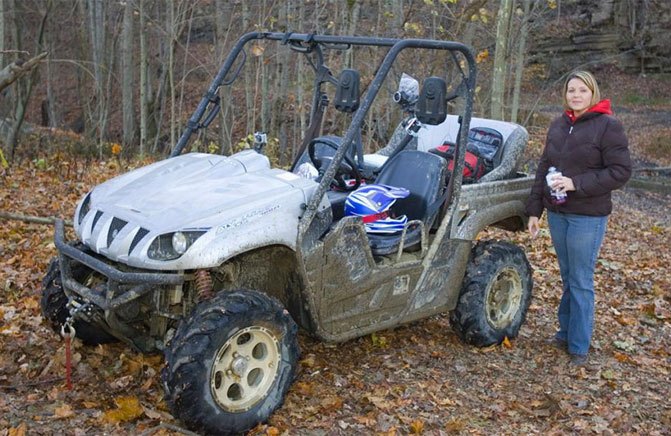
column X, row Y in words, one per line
column 589, row 147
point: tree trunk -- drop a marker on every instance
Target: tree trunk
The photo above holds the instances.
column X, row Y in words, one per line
column 171, row 68
column 519, row 61
column 165, row 96
column 186, row 7
column 53, row 114
column 127, row 82
column 17, row 69
column 300, row 122
column 352, row 15
column 24, row 87
column 144, row 98
column 224, row 20
column 500, row 58
column 96, row 23
column 282, row 66
column 2, row 34
column 265, row 83
column 249, row 92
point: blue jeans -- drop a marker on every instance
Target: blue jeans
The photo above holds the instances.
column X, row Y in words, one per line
column 577, row 239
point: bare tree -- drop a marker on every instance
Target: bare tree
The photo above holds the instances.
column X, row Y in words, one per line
column 224, row 19
column 24, row 85
column 18, row 68
column 127, row 82
column 500, row 59
column 519, row 60
column 249, row 94
column 171, row 33
column 165, row 97
column 352, row 18
column 144, row 85
column 2, row 33
column 96, row 20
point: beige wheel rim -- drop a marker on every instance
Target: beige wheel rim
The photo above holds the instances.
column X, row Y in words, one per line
column 503, row 298
column 245, row 368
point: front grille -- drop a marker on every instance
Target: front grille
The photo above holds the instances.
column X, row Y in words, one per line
column 95, row 219
column 138, row 237
column 115, row 228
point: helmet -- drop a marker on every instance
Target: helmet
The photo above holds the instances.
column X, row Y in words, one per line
column 373, row 204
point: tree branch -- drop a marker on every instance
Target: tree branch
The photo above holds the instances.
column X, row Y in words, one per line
column 31, row 219
column 18, row 68
column 651, row 169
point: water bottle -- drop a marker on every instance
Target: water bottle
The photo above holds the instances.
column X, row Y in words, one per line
column 556, row 195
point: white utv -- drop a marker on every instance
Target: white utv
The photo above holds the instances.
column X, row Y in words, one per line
column 215, row 261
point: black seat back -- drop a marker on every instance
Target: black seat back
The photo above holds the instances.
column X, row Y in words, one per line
column 323, row 150
column 421, row 173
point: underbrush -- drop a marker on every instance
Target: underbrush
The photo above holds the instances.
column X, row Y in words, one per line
column 658, row 146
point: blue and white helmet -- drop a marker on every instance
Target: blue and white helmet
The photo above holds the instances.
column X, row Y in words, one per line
column 373, row 204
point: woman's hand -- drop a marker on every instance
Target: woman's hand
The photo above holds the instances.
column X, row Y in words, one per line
column 534, row 226
column 563, row 184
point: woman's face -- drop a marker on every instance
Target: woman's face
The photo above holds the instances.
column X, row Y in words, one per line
column 578, row 96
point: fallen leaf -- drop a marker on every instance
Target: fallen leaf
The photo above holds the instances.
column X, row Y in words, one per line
column 303, row 388
column 31, row 303
column 64, row 411
column 308, row 361
column 417, row 427
column 128, row 409
column 379, row 341
column 455, row 425
column 624, row 345
column 257, row 50
column 18, row 431
column 625, row 320
column 506, row 343
column 122, row 382
column 156, row 414
column 609, row 374
column 331, row 403
column 623, row 358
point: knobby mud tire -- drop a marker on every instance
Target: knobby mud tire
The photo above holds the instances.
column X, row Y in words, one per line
column 495, row 294
column 193, row 361
column 53, row 304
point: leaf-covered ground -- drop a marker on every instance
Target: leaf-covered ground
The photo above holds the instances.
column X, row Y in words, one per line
column 413, row 379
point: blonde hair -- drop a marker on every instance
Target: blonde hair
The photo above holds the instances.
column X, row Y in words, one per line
column 588, row 79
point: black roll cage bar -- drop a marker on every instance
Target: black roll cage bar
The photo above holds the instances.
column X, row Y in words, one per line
column 308, row 43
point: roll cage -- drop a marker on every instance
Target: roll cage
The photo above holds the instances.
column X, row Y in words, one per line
column 314, row 44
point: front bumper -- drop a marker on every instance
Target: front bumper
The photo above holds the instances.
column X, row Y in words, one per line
column 120, row 288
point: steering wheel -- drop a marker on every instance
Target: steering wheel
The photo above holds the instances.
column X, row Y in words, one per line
column 347, row 166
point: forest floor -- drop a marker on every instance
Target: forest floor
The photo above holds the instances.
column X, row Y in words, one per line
column 415, row 379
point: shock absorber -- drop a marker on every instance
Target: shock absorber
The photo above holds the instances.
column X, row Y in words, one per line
column 204, row 284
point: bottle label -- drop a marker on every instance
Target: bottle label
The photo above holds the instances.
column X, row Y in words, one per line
column 557, row 197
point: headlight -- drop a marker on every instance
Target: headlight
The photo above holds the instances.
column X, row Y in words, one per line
column 85, row 208
column 179, row 242
column 170, row 246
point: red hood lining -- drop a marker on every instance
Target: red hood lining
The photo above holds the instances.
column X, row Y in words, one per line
column 602, row 107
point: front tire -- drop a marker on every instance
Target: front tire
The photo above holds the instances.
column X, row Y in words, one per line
column 495, row 294
column 54, row 306
column 231, row 362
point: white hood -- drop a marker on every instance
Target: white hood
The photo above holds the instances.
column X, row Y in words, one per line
column 239, row 200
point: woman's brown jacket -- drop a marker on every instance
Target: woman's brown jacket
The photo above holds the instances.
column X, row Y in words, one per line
column 593, row 151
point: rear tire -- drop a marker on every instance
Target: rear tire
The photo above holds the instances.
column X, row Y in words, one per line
column 495, row 294
column 231, row 362
column 54, row 306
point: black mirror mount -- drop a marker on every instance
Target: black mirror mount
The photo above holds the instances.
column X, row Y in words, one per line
column 347, row 93
column 432, row 103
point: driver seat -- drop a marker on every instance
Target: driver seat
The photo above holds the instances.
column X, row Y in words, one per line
column 423, row 174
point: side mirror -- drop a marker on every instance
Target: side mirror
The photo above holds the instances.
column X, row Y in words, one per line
column 432, row 103
column 347, row 94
